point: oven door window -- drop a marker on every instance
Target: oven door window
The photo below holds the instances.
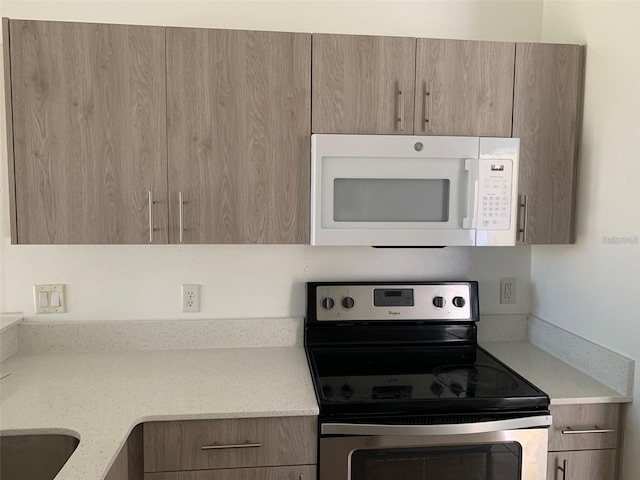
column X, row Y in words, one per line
column 498, row 461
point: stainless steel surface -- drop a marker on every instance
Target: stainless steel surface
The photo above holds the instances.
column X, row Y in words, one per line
column 34, row 457
column 364, row 310
column 596, row 430
column 181, row 215
column 401, row 106
column 336, row 452
column 431, row 430
column 150, row 217
column 229, row 446
column 525, row 209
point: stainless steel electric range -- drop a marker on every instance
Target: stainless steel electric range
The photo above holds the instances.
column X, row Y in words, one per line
column 405, row 391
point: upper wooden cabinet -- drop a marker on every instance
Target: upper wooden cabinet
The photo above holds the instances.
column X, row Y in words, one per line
column 547, row 115
column 391, row 85
column 87, row 106
column 238, row 125
column 129, row 134
column 89, row 132
column 363, row 84
column 464, row 88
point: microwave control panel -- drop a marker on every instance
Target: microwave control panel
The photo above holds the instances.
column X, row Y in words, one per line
column 494, row 194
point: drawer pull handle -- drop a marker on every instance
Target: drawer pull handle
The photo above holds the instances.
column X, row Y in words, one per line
column 569, row 431
column 246, row 444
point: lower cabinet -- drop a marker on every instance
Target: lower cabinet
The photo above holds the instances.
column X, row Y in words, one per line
column 583, row 442
column 580, row 465
column 128, row 463
column 299, row 472
column 274, row 448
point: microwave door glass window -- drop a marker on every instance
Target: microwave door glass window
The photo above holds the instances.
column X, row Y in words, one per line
column 393, row 200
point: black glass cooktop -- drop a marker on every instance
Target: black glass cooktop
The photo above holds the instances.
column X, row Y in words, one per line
column 418, row 380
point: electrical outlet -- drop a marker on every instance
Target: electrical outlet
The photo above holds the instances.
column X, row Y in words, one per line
column 49, row 298
column 190, row 298
column 508, row 290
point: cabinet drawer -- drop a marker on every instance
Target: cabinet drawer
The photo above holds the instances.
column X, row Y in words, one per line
column 301, row 472
column 229, row 443
column 582, row 465
column 584, row 427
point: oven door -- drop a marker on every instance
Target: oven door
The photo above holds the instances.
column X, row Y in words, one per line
column 482, row 451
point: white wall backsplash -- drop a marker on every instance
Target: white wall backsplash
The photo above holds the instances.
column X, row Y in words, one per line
column 143, row 282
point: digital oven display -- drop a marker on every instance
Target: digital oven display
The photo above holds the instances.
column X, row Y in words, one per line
column 394, row 297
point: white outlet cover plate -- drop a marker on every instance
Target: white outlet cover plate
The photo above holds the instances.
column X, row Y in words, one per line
column 49, row 289
column 190, row 298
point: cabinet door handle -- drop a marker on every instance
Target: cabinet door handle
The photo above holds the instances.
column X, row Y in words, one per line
column 524, row 208
column 564, row 469
column 150, row 217
column 400, row 97
column 181, row 215
column 428, row 105
column 215, row 446
column 570, row 431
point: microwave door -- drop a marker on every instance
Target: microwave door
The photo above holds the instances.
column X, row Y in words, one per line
column 393, row 202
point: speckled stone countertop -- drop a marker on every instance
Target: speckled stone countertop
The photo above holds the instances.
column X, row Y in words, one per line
column 564, row 384
column 99, row 397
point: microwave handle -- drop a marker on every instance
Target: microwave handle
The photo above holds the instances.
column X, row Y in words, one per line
column 472, row 166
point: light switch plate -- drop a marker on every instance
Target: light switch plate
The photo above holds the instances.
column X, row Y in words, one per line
column 42, row 303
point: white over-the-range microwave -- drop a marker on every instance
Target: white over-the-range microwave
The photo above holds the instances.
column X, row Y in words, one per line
column 392, row 190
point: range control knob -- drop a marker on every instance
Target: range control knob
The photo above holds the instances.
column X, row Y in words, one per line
column 438, row 302
column 348, row 302
column 327, row 392
column 328, row 303
column 437, row 389
column 456, row 388
column 347, row 391
column 458, row 302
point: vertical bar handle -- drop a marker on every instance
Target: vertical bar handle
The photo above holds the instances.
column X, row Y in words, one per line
column 150, row 216
column 400, row 96
column 564, row 469
column 524, row 206
column 428, row 104
column 181, row 215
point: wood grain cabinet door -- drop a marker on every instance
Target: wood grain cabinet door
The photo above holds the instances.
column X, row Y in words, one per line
column 582, row 465
column 464, row 88
column 238, row 122
column 546, row 117
column 298, row 472
column 363, row 84
column 89, row 133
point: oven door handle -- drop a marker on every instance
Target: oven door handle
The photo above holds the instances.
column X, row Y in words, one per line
column 426, row 430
